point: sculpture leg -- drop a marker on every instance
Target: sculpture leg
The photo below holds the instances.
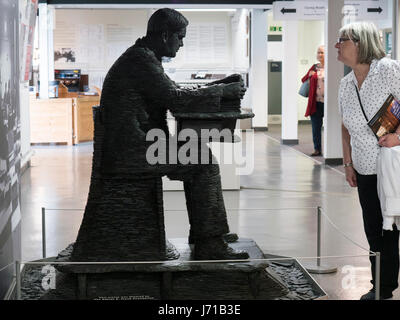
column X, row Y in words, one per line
column 207, row 215
column 228, row 237
column 206, row 209
column 205, row 203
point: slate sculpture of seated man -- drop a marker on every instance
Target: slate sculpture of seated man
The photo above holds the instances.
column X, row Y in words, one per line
column 135, row 98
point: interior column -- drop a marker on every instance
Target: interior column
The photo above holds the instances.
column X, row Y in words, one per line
column 258, row 68
column 332, row 142
column 289, row 82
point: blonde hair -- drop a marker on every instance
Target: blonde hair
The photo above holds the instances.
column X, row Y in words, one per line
column 367, row 36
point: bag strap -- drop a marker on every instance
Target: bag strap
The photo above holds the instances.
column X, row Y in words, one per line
column 359, row 100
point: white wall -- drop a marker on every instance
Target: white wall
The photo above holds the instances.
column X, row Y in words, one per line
column 275, row 48
column 240, row 38
column 210, row 47
column 226, row 31
column 241, row 48
column 98, row 38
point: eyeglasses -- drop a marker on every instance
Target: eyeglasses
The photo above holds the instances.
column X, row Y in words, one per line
column 341, row 40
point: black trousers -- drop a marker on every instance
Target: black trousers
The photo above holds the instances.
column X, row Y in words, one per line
column 316, row 125
column 383, row 241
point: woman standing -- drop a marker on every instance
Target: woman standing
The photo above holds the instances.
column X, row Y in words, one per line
column 315, row 106
column 362, row 92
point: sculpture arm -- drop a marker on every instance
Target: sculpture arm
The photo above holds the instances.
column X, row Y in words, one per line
column 158, row 87
column 207, row 99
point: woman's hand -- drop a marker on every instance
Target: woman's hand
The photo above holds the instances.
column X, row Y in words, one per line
column 311, row 73
column 389, row 140
column 351, row 176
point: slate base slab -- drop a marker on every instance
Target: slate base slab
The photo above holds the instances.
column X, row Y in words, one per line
column 180, row 280
column 300, row 283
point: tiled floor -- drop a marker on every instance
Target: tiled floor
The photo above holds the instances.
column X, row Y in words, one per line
column 276, row 207
column 304, row 136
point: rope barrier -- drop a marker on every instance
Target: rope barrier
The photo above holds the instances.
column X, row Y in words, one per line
column 233, row 209
column 343, row 234
column 64, row 209
column 247, row 260
column 6, row 266
column 295, row 191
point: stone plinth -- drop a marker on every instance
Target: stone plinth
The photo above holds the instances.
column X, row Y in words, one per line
column 179, row 279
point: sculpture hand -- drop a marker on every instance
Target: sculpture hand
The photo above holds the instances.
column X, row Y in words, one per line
column 233, row 78
column 233, row 90
column 241, row 82
column 229, row 79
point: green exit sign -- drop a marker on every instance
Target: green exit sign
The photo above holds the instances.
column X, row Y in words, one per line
column 275, row 28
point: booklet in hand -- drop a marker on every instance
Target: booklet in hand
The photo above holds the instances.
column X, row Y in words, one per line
column 387, row 119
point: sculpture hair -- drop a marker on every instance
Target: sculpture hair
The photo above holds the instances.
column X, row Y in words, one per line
column 166, row 20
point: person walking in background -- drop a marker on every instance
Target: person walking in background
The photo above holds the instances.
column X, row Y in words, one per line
column 315, row 106
column 361, row 94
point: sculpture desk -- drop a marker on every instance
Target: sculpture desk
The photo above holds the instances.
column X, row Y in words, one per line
column 211, row 120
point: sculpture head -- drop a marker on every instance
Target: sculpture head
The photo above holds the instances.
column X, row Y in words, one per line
column 166, row 29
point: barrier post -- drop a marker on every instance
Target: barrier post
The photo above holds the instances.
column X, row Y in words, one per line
column 319, row 236
column 319, row 269
column 377, row 275
column 18, row 280
column 44, row 232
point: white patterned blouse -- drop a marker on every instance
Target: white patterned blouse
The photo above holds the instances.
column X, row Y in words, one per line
column 383, row 78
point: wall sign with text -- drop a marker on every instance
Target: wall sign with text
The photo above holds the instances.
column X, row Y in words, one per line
column 316, row 10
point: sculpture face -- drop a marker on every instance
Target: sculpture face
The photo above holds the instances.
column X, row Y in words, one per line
column 174, row 42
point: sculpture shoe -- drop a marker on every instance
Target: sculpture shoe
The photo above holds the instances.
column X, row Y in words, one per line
column 217, row 249
column 228, row 237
